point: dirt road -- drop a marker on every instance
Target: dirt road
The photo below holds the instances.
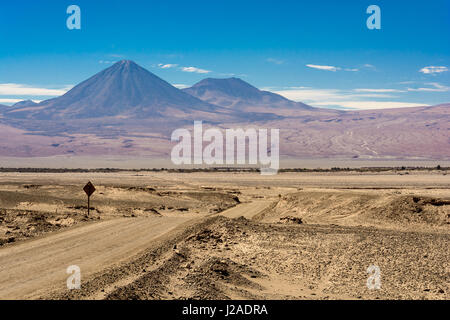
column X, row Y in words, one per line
column 247, row 210
column 29, row 269
column 33, row 268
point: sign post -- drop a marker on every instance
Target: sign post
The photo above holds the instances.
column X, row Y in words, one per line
column 89, row 189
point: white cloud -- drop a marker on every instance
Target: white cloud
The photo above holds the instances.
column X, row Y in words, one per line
column 11, row 101
column 195, row 70
column 308, row 95
column 369, row 66
column 347, row 99
column 331, row 68
column 181, row 86
column 326, row 68
column 374, row 95
column 8, row 89
column 369, row 105
column 378, row 90
column 167, row 66
column 435, row 87
column 184, row 69
column 106, row 62
column 433, row 69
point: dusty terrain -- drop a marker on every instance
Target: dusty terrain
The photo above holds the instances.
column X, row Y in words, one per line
column 226, row 235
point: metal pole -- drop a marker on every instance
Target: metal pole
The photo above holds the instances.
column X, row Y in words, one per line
column 89, row 205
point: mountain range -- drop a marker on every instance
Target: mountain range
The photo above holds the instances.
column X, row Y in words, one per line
column 129, row 91
column 127, row 110
column 125, row 89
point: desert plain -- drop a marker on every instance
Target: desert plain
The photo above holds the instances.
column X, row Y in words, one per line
column 226, row 235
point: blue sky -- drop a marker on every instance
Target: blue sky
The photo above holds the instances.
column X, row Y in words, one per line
column 318, row 52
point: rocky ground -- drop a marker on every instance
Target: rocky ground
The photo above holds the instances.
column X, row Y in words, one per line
column 242, row 259
column 317, row 237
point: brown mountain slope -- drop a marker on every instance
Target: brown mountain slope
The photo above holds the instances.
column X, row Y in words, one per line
column 411, row 133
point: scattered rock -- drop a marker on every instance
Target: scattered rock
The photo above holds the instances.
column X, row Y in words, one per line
column 152, row 210
column 32, row 186
column 293, row 220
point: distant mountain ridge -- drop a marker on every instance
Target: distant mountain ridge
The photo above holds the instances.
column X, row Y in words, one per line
column 24, row 103
column 235, row 93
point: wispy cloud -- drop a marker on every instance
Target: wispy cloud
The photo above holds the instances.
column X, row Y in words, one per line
column 181, row 86
column 370, row 105
column 325, row 68
column 184, row 69
column 369, row 66
column 433, row 69
column 331, row 68
column 275, row 61
column 307, row 95
column 107, row 62
column 11, row 101
column 167, row 66
column 195, row 70
column 378, row 90
column 345, row 99
column 14, row 89
column 435, row 87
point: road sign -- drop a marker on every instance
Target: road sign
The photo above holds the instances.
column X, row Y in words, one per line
column 89, row 189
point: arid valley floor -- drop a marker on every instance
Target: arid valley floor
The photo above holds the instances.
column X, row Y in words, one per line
column 161, row 235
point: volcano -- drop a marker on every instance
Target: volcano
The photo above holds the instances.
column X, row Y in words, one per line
column 124, row 90
column 234, row 93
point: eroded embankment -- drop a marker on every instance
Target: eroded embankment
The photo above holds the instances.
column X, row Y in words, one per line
column 381, row 209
